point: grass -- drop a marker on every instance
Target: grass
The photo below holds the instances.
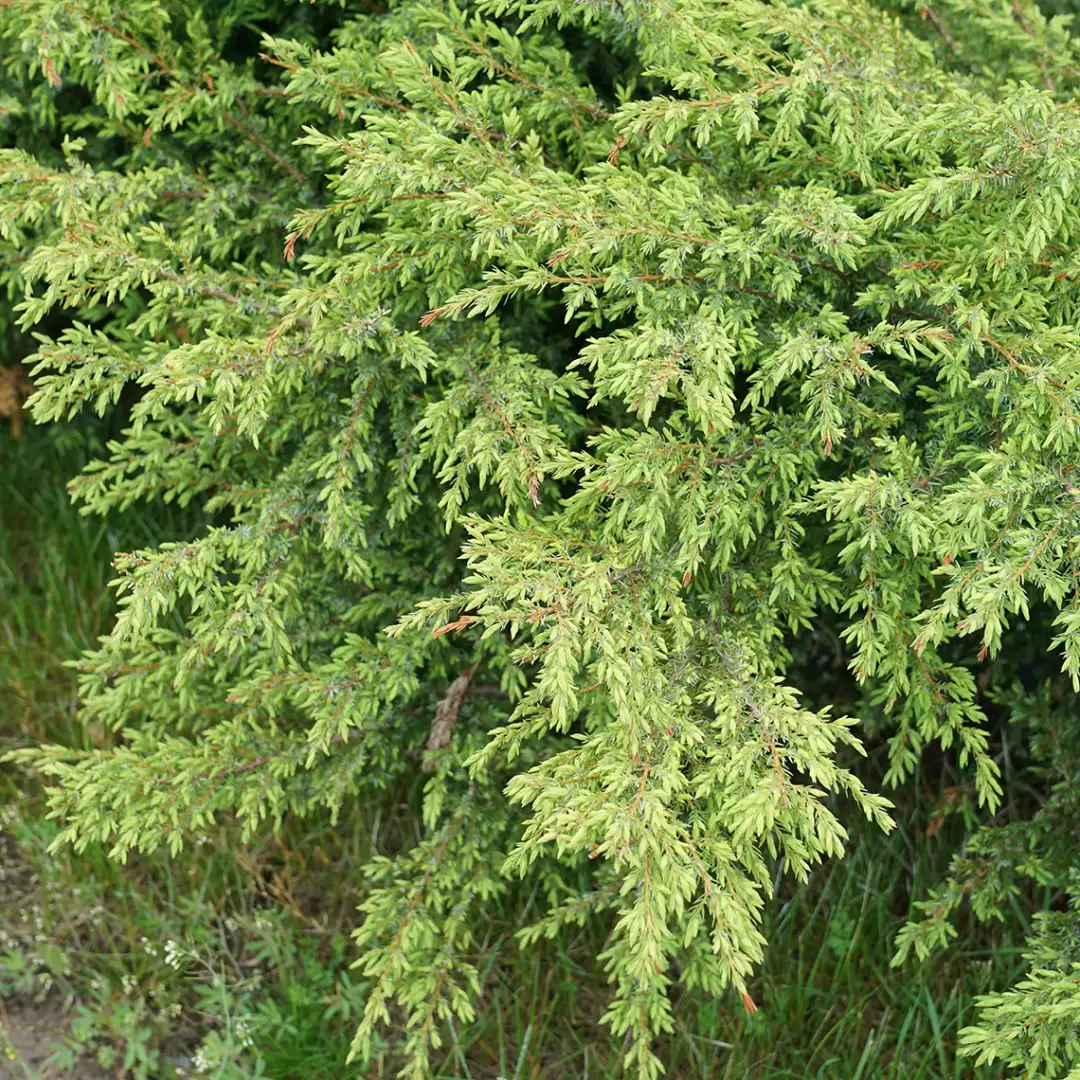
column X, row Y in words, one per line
column 262, row 984
column 54, row 567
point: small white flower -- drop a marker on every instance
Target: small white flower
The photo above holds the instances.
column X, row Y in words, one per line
column 242, row 1029
column 174, row 955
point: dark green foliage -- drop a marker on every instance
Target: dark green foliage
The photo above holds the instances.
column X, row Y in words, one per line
column 564, row 382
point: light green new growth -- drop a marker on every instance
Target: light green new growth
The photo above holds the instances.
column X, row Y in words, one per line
column 553, row 372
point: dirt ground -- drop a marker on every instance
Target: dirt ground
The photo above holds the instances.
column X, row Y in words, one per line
column 29, row 1028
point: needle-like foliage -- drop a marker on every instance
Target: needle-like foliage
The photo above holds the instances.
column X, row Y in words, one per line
column 556, row 374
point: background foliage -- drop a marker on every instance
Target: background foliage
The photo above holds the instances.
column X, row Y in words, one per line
column 586, row 406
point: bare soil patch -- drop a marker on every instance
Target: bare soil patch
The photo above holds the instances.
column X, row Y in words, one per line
column 30, row 1027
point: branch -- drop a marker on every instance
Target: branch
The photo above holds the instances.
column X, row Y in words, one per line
column 442, row 728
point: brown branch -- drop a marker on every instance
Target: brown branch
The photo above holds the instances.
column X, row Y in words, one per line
column 270, row 152
column 935, row 20
column 442, row 728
